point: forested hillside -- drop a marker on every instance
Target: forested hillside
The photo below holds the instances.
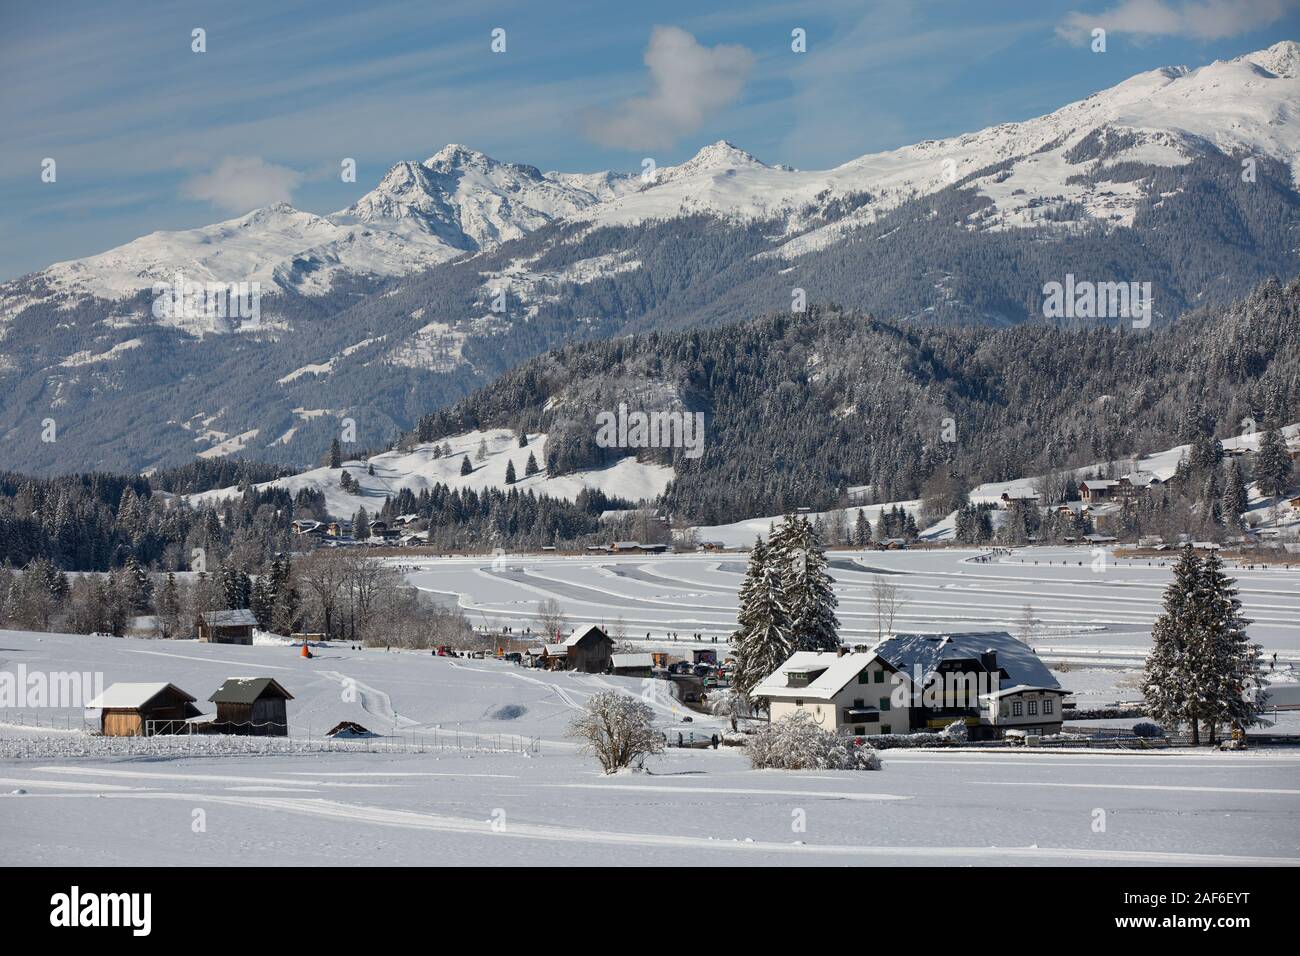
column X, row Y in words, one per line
column 800, row 407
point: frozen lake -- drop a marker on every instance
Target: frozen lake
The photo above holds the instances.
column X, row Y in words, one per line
column 1082, row 611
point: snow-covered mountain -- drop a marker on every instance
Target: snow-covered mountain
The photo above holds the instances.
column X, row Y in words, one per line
column 456, row 201
column 1164, row 117
column 1140, row 182
column 460, row 200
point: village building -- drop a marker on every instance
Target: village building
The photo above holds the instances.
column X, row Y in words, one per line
column 142, row 710
column 251, row 706
column 1034, row 710
column 588, row 649
column 851, row 692
column 632, row 665
column 913, row 683
column 967, row 666
column 226, row 627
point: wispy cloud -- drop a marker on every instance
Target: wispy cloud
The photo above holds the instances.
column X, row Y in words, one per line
column 689, row 82
column 241, row 183
column 1195, row 19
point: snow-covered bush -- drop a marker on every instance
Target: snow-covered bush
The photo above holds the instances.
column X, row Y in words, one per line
column 618, row 729
column 1146, row 728
column 795, row 742
column 957, row 730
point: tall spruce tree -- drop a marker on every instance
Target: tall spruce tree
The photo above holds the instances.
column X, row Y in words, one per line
column 808, row 588
column 1235, row 502
column 1232, row 664
column 761, row 642
column 1272, row 464
column 1167, row 680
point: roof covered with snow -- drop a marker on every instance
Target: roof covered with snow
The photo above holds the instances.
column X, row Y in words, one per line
column 829, row 673
column 580, row 632
column 925, row 652
column 245, row 690
column 133, row 695
column 237, row 618
column 632, row 660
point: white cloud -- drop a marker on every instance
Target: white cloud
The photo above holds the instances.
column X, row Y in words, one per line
column 688, row 83
column 1195, row 19
column 241, row 183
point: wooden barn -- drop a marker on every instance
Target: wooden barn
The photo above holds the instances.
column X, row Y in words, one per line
column 588, row 649
column 139, row 710
column 226, row 627
column 251, row 706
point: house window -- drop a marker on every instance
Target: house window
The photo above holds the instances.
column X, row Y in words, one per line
column 884, row 704
column 880, row 677
column 1017, row 708
column 859, row 730
column 1047, row 705
column 886, row 729
column 798, row 701
column 1033, row 708
column 859, row 702
column 862, row 677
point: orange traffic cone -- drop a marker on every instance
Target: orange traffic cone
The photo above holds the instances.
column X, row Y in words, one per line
column 305, row 652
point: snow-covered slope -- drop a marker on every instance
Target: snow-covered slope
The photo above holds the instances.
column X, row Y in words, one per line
column 460, row 200
column 420, row 469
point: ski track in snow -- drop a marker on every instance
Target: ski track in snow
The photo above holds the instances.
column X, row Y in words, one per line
column 351, row 813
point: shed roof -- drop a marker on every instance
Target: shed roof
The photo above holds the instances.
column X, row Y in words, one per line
column 237, row 618
column 245, row 690
column 580, row 632
column 632, row 660
column 134, row 695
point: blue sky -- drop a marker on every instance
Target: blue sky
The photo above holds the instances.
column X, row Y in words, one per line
column 148, row 134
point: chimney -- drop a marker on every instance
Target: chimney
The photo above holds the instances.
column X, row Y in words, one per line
column 841, row 651
column 989, row 660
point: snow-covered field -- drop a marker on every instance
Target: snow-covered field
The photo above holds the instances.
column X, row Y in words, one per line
column 551, row 806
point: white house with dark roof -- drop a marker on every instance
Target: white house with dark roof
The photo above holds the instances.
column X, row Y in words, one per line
column 920, row 682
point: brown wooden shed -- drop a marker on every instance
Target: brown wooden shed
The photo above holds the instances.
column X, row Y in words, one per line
column 227, row 627
column 251, row 706
column 141, row 710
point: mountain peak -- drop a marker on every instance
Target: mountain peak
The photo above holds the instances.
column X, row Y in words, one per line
column 1281, row 59
column 722, row 153
column 458, row 155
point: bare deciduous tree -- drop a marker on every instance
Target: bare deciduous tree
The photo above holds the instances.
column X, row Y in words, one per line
column 551, row 618
column 888, row 600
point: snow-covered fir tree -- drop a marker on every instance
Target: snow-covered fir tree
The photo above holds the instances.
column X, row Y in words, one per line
column 1167, row 678
column 807, row 585
column 1272, row 464
column 1233, row 697
column 1235, row 501
column 761, row 642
